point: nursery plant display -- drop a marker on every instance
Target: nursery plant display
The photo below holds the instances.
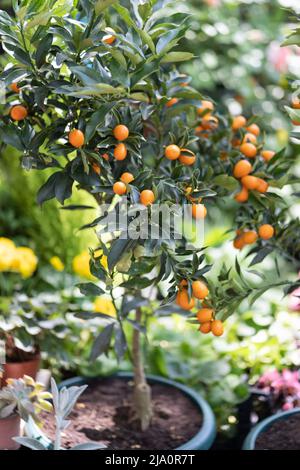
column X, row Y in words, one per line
column 20, row 399
column 96, row 99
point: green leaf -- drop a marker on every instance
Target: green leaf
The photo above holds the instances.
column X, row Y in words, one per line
column 102, row 342
column 97, row 119
column 47, row 191
column 227, row 182
column 43, row 50
column 118, row 248
column 88, row 288
column 177, row 57
column 101, row 5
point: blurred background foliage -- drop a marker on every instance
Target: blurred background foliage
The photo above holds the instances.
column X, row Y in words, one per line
column 240, row 64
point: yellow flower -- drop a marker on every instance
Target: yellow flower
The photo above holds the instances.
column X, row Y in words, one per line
column 104, row 305
column 57, row 263
column 25, row 261
column 81, row 265
column 7, row 254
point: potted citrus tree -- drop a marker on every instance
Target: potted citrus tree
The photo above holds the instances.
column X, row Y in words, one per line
column 96, row 100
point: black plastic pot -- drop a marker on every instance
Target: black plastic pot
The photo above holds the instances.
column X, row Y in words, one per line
column 201, row 441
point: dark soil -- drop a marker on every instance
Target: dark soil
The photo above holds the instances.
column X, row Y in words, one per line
column 282, row 435
column 104, row 414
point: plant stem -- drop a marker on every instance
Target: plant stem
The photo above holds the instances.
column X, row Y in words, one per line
column 142, row 391
column 57, row 442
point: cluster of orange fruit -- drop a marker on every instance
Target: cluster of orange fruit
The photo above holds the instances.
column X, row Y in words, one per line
column 243, row 168
column 205, row 316
column 185, row 156
column 208, row 122
column 248, row 237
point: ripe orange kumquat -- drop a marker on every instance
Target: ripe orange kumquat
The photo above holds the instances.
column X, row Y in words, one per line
column 262, row 186
column 18, row 112
column 250, row 182
column 127, row 177
column 187, row 157
column 119, row 188
column 249, row 150
column 238, row 122
column 267, row 155
column 199, row 211
column 242, row 168
column 120, row 152
column 253, row 129
column 183, row 300
column 147, row 197
column 217, row 328
column 76, row 138
column 242, row 196
column 205, row 315
column 266, row 231
column 172, row 152
column 205, row 328
column 238, row 243
column 200, row 290
column 249, row 237
column 171, row 102
column 205, row 106
column 121, row 132
column 109, row 39
column 248, row 137
column 14, row 87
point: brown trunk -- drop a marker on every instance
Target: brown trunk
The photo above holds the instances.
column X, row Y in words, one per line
column 142, row 391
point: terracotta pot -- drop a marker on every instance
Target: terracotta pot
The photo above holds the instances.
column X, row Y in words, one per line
column 16, row 370
column 9, row 428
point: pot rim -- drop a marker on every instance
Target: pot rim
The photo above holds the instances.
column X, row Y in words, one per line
column 250, row 441
column 202, row 440
column 34, row 358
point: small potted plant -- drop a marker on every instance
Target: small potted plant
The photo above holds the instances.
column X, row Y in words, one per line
column 64, row 401
column 19, row 399
column 277, row 432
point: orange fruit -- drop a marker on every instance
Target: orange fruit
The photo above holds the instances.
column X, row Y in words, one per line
column 249, row 237
column 266, row 231
column 205, row 106
column 127, row 177
column 238, row 122
column 121, row 132
column 120, row 152
column 205, row 315
column 109, row 39
column 199, row 211
column 209, row 122
column 295, row 122
column 119, row 188
column 217, row 328
column 238, row 243
column 267, row 154
column 183, row 283
column 171, row 102
column 76, row 138
column 14, row 87
column 296, row 103
column 18, row 112
column 249, row 150
column 200, row 289
column 242, row 168
column 187, row 157
column 242, row 196
column 105, row 156
column 183, row 300
column 253, row 129
column 248, row 137
column 205, row 327
column 262, row 186
column 250, row 182
column 147, row 197
column 172, row 152
column 96, row 168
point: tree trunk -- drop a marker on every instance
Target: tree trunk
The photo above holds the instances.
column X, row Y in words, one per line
column 142, row 391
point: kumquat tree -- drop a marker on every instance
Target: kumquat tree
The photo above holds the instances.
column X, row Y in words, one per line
column 94, row 97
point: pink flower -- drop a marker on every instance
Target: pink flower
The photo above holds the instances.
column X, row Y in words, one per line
column 278, row 56
column 287, row 406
